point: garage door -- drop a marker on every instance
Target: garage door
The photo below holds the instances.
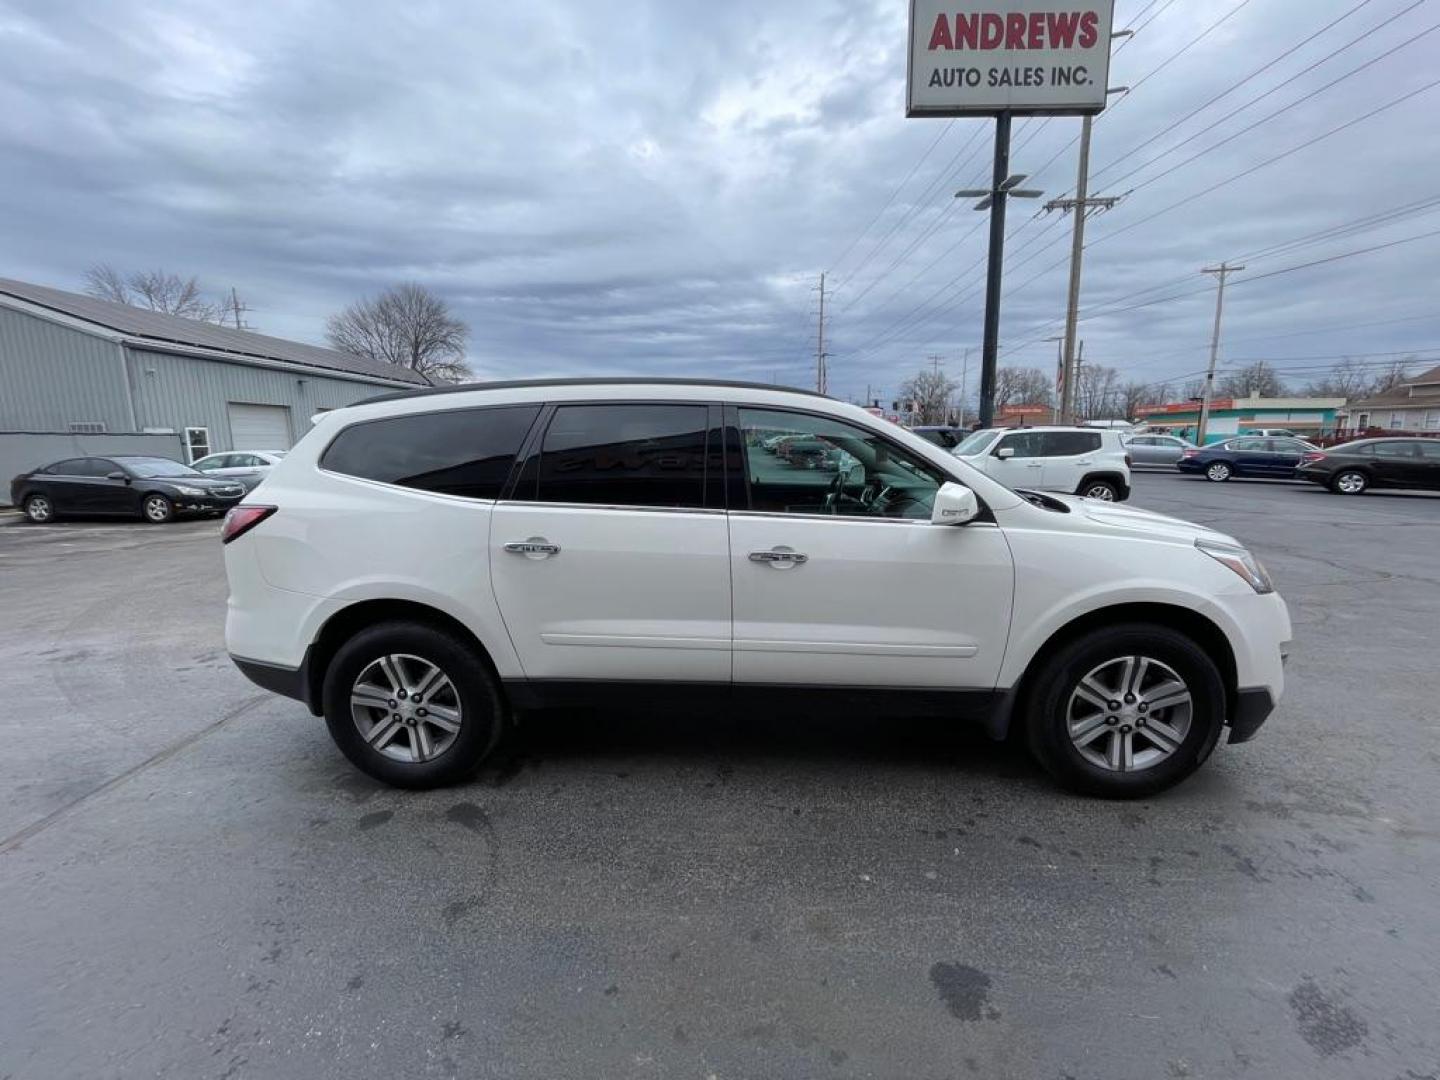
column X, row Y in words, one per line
column 259, row 427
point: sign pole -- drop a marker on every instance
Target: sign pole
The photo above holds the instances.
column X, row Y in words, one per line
column 990, row 350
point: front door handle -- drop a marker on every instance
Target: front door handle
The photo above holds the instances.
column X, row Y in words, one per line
column 537, row 547
column 781, row 558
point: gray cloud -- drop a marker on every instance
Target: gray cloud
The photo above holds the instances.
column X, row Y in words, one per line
column 653, row 187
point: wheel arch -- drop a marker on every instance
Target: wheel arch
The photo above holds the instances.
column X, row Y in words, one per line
column 1206, row 633
column 350, row 620
column 1109, row 476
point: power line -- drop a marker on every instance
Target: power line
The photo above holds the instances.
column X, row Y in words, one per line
column 1270, row 161
column 898, row 188
column 1271, row 116
column 1186, row 48
column 1236, row 86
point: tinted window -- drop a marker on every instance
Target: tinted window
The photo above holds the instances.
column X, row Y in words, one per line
column 846, row 471
column 1024, row 443
column 1249, row 446
column 1361, row 449
column 625, row 455
column 1430, row 450
column 94, row 467
column 458, row 452
column 1395, row 449
column 1068, row 443
column 71, row 467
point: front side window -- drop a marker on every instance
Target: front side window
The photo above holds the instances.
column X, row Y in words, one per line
column 1068, row 443
column 625, row 455
column 465, row 452
column 836, row 469
column 1024, row 443
column 975, row 444
column 96, row 467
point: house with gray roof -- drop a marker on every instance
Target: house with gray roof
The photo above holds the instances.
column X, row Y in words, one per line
column 84, row 376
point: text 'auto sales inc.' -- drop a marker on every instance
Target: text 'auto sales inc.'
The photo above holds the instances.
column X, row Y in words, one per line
column 977, row 56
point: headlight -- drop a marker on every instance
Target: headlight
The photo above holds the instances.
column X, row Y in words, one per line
column 1241, row 561
column 193, row 493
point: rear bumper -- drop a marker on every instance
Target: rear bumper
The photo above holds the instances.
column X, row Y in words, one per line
column 278, row 679
column 1252, row 709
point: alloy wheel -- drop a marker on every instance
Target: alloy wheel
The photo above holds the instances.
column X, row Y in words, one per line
column 1350, row 483
column 1103, row 492
column 157, row 509
column 1128, row 714
column 1218, row 471
column 406, row 708
column 38, row 509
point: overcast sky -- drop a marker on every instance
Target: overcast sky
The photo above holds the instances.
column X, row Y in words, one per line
column 653, row 186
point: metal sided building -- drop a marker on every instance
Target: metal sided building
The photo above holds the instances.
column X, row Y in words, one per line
column 84, row 376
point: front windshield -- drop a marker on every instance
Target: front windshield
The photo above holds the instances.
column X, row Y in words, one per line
column 150, row 467
column 975, row 444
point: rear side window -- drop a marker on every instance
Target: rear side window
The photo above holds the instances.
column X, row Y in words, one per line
column 465, row 452
column 72, row 467
column 625, row 455
column 1068, row 443
column 1395, row 449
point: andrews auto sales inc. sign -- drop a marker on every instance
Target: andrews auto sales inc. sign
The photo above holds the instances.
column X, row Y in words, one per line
column 981, row 57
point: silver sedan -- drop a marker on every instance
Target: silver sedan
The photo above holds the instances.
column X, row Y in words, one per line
column 1156, row 450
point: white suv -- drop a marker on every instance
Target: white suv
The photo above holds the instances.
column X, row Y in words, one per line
column 423, row 565
column 1076, row 460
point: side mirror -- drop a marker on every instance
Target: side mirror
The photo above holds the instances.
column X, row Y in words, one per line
column 1005, row 453
column 955, row 504
column 117, row 475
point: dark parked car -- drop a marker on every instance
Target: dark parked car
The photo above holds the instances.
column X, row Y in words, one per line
column 1354, row 467
column 152, row 488
column 1275, row 458
column 948, row 437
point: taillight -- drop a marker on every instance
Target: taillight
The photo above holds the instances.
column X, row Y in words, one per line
column 1312, row 457
column 241, row 519
column 1188, row 453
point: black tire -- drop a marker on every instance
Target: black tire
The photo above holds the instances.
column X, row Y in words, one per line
column 1046, row 721
column 1103, row 490
column 1349, row 482
column 1218, row 472
column 156, row 509
column 39, row 509
column 483, row 711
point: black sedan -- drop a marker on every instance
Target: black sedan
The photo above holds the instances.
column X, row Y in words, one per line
column 1247, row 456
column 1355, row 467
column 151, row 488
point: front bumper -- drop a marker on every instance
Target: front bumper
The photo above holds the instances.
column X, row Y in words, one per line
column 206, row 504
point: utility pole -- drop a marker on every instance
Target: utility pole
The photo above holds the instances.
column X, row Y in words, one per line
column 238, row 310
column 1080, row 206
column 1221, row 272
column 821, row 379
column 1079, row 359
column 935, row 362
column 1002, row 186
column 964, row 385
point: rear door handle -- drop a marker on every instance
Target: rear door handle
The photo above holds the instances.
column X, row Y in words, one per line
column 781, row 558
column 537, row 547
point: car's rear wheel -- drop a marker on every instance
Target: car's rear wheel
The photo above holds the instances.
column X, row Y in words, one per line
column 157, row 509
column 412, row 705
column 1218, row 472
column 1103, row 490
column 39, row 509
column 1125, row 711
column 1350, row 482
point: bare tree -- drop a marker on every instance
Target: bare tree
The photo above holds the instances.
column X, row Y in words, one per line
column 1135, row 394
column 1392, row 377
column 158, row 290
column 1259, row 379
column 1022, row 386
column 407, row 326
column 1194, row 390
column 1097, row 391
column 1348, row 379
column 931, row 392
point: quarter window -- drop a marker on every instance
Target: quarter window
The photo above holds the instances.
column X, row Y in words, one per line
column 466, row 452
column 625, row 455
column 829, row 467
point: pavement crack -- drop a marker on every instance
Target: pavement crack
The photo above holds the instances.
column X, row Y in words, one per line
column 14, row 840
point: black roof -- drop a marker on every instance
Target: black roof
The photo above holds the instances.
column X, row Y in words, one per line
column 516, row 384
column 156, row 330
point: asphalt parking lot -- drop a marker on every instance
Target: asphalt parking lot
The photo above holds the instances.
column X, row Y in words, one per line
column 194, row 884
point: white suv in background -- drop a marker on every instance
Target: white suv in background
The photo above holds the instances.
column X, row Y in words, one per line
column 1076, row 460
column 421, row 566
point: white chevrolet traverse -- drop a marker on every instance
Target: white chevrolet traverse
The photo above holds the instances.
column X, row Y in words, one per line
column 421, row 566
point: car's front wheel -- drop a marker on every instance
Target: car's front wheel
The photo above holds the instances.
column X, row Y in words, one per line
column 157, row 509
column 1125, row 711
column 1350, row 482
column 39, row 509
column 1218, row 472
column 412, row 705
